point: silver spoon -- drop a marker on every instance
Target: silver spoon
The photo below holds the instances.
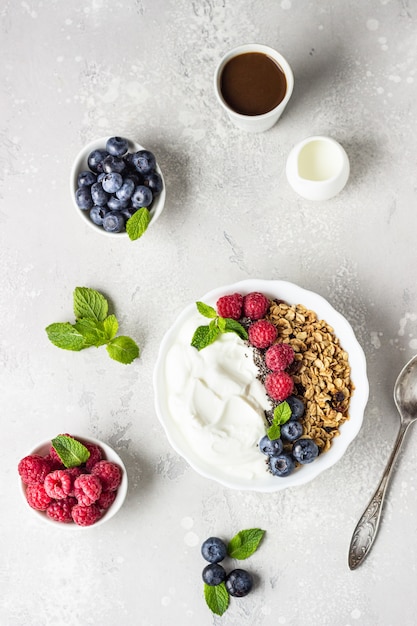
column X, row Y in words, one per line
column 405, row 397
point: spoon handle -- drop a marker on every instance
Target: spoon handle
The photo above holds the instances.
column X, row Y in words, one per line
column 366, row 529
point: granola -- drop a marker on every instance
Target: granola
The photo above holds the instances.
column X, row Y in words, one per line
column 321, row 370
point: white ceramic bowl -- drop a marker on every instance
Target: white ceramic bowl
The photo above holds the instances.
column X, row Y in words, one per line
column 109, row 455
column 255, row 123
column 265, row 482
column 80, row 164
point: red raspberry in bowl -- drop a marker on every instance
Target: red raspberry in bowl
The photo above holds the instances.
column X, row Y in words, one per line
column 60, row 510
column 262, row 334
column 106, row 499
column 230, row 306
column 255, row 305
column 279, row 385
column 58, row 484
column 96, row 454
column 87, row 489
column 34, row 468
column 85, row 515
column 37, row 497
column 279, row 356
column 109, row 473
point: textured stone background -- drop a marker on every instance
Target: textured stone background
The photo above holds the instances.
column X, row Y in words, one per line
column 75, row 71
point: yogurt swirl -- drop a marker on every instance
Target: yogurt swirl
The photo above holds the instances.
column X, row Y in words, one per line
column 217, row 402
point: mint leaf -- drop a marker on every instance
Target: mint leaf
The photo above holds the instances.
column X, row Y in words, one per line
column 92, row 331
column 123, row 349
column 71, row 452
column 232, row 326
column 90, row 303
column 221, row 323
column 282, row 414
column 204, row 336
column 64, row 335
column 110, row 326
column 217, row 598
column 245, row 543
column 138, row 223
column 206, row 310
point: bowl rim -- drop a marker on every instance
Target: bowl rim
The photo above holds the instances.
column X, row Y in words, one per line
column 293, row 294
column 79, row 164
column 110, row 455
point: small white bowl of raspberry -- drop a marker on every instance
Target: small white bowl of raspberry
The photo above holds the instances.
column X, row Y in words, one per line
column 81, row 496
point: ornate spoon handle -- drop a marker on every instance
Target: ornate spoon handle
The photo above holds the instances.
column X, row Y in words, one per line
column 366, row 529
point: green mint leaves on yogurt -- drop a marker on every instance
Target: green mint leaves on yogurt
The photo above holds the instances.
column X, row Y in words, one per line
column 205, row 335
column 71, row 452
column 282, row 414
column 93, row 327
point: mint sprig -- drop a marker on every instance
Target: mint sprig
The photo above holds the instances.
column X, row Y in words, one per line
column 93, row 327
column 282, row 414
column 240, row 547
column 138, row 223
column 71, row 452
column 206, row 335
column 217, row 598
column 245, row 543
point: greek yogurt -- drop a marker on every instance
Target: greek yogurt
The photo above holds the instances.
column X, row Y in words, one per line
column 217, row 402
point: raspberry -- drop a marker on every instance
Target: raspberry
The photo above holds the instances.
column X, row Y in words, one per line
column 73, row 472
column 37, row 497
column 262, row 334
column 106, row 499
column 58, row 484
column 85, row 515
column 279, row 356
column 230, row 306
column 60, row 510
column 87, row 489
column 279, row 385
column 96, row 454
column 33, row 468
column 255, row 305
column 109, row 474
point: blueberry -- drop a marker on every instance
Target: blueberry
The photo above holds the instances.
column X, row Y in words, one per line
column 100, row 176
column 113, row 222
column 117, row 205
column 86, row 178
column 126, row 190
column 213, row 550
column 214, row 574
column 95, row 160
column 270, row 447
column 135, row 176
column 291, row 430
column 100, row 197
column 144, row 161
column 154, row 182
column 142, row 196
column 98, row 213
column 117, row 146
column 112, row 182
column 113, row 164
column 281, row 465
column 305, row 451
column 296, row 406
column 239, row 583
column 83, row 198
column 128, row 212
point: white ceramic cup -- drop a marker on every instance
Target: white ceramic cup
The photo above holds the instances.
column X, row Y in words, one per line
column 255, row 123
column 317, row 168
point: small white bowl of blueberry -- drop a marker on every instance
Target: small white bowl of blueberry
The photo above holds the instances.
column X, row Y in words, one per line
column 117, row 187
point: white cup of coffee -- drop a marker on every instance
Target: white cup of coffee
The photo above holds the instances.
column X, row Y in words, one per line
column 253, row 84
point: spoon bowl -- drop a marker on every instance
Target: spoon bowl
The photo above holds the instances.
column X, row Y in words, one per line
column 405, row 398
